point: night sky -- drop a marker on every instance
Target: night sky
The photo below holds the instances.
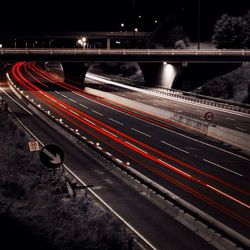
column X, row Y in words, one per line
column 106, row 15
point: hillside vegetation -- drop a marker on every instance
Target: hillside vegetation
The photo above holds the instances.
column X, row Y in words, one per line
column 234, row 86
column 36, row 211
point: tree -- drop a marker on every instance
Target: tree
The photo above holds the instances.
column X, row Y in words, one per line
column 168, row 33
column 246, row 30
column 230, row 32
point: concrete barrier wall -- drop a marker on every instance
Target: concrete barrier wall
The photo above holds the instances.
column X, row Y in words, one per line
column 233, row 137
column 230, row 136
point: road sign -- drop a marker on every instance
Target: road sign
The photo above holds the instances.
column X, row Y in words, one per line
column 33, row 146
column 52, row 156
column 209, row 116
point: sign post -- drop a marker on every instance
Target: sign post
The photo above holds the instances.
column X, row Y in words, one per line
column 33, row 146
column 209, row 116
column 52, row 156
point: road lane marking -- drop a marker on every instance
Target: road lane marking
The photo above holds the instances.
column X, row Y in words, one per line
column 83, row 106
column 229, row 170
column 175, row 147
column 169, row 130
column 230, row 119
column 109, row 132
column 136, row 147
column 97, row 112
column 110, row 208
column 228, row 196
column 89, row 121
column 16, row 102
column 115, row 121
column 177, row 169
column 141, row 132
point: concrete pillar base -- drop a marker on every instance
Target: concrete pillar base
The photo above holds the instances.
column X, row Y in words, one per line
column 74, row 71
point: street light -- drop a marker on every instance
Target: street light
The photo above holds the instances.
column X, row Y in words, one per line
column 82, row 42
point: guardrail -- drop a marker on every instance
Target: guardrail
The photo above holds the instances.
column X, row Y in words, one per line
column 132, row 54
column 192, row 97
column 211, row 101
column 207, row 227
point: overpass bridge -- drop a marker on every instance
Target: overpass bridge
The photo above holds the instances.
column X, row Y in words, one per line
column 159, row 66
column 141, row 55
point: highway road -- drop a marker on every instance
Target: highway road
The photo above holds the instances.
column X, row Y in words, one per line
column 202, row 172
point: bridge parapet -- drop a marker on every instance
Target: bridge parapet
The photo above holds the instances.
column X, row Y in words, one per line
column 145, row 55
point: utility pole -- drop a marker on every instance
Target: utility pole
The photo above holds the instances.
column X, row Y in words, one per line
column 133, row 21
column 199, row 23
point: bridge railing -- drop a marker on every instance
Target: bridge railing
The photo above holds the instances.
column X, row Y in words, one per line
column 167, row 52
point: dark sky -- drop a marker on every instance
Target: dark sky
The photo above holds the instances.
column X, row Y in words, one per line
column 18, row 17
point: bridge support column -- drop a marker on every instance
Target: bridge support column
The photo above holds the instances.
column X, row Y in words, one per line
column 74, row 71
column 160, row 74
column 108, row 42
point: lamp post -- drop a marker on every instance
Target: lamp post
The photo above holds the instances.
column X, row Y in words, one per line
column 199, row 24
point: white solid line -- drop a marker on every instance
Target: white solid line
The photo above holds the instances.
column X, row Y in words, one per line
column 141, row 132
column 228, row 196
column 111, row 209
column 16, row 102
column 175, row 147
column 229, row 170
column 113, row 120
column 97, row 112
column 25, row 127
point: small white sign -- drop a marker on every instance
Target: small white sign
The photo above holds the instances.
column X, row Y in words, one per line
column 33, row 146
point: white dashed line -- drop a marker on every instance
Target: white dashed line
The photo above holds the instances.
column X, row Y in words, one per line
column 109, row 132
column 170, row 145
column 141, row 132
column 136, row 147
column 83, row 106
column 229, row 170
column 115, row 121
column 230, row 119
column 97, row 112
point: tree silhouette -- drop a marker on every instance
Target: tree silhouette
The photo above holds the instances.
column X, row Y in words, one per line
column 232, row 32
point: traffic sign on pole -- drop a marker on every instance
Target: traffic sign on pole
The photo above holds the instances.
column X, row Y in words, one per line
column 52, row 156
column 33, row 146
column 209, row 116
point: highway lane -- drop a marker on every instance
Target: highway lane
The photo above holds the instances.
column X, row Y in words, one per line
column 223, row 117
column 160, row 230
column 142, row 136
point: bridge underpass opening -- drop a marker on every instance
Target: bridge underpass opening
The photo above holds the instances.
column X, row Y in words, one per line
column 161, row 74
column 74, row 71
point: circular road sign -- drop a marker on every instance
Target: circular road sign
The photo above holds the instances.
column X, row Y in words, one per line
column 209, row 116
column 51, row 156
